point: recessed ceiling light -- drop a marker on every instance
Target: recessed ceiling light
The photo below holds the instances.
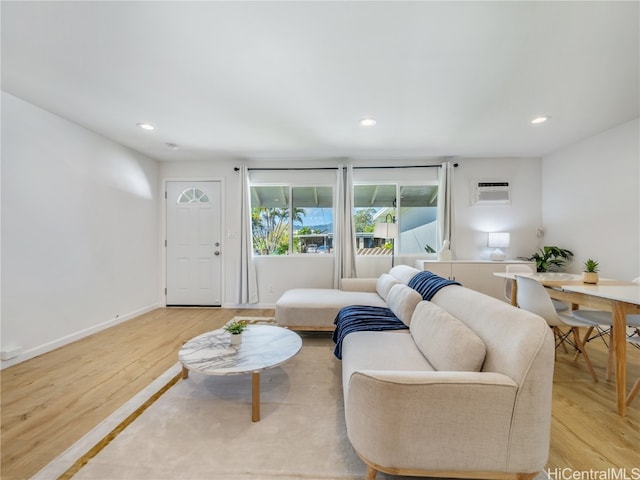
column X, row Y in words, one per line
column 368, row 122
column 172, row 146
column 540, row 119
column 146, row 126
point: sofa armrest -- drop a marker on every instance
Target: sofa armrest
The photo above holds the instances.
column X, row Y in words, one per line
column 358, row 284
column 435, row 420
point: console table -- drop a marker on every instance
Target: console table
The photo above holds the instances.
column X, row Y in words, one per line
column 474, row 274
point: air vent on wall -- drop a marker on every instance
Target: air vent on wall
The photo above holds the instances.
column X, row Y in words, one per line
column 491, row 193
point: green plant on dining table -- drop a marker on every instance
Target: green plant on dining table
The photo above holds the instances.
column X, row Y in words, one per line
column 550, row 258
column 590, row 265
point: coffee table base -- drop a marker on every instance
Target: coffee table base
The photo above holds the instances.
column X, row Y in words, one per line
column 255, row 393
column 255, row 397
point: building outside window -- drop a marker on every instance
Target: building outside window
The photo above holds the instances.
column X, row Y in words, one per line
column 412, row 207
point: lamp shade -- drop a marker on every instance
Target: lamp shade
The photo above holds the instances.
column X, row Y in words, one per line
column 498, row 239
column 385, row 230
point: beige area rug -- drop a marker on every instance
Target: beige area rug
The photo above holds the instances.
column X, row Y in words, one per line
column 201, row 427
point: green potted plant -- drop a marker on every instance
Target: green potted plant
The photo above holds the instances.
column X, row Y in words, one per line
column 235, row 328
column 590, row 273
column 550, row 258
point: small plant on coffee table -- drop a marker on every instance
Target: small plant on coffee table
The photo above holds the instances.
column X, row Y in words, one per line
column 235, row 328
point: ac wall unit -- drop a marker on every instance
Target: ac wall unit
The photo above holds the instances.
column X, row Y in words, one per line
column 491, row 193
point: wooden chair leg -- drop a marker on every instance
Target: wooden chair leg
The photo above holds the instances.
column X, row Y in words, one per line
column 585, row 339
column 580, row 345
column 558, row 333
column 371, row 473
column 611, row 359
column 634, row 391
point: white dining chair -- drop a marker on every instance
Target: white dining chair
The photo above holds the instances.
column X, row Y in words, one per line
column 533, row 297
column 508, row 285
column 636, row 387
column 602, row 319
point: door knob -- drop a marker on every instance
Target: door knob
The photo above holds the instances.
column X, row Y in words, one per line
column 216, row 253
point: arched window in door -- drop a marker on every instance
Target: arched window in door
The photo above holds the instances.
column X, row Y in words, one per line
column 193, row 195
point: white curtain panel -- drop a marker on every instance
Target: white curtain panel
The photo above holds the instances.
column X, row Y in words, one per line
column 445, row 205
column 248, row 284
column 344, row 237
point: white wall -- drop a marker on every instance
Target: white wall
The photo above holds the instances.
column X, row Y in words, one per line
column 79, row 231
column 276, row 275
column 591, row 203
column 521, row 218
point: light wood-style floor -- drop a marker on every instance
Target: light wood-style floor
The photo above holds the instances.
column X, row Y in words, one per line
column 51, row 401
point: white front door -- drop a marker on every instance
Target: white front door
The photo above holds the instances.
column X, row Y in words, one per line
column 193, row 243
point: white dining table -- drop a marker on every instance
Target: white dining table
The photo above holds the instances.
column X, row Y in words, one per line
column 616, row 296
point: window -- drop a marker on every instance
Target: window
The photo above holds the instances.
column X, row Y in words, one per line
column 193, row 195
column 412, row 207
column 417, row 219
column 292, row 219
column 312, row 219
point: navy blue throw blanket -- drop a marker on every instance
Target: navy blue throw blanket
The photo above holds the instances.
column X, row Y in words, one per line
column 427, row 284
column 357, row 318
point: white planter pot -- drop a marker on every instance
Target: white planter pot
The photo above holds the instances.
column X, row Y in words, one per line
column 236, row 338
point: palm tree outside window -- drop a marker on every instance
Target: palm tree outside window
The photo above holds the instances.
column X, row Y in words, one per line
column 292, row 220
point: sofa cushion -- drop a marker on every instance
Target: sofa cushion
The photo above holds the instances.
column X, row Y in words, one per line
column 402, row 301
column 403, row 273
column 311, row 308
column 358, row 318
column 445, row 341
column 384, row 283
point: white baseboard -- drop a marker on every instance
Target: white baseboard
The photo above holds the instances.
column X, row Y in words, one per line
column 49, row 346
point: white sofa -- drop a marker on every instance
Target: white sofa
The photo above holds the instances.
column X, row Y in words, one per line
column 316, row 308
column 464, row 393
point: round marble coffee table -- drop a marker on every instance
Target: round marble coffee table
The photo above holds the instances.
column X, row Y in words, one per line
column 262, row 347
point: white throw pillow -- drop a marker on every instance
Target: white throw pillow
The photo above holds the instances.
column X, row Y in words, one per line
column 402, row 301
column 384, row 284
column 445, row 341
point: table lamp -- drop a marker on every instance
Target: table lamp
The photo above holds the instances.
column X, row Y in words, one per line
column 498, row 240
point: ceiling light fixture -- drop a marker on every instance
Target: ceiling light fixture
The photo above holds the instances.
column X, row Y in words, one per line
column 540, row 119
column 172, row 146
column 145, row 126
column 368, row 122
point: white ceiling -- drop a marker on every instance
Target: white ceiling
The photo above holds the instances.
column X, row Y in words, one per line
column 268, row 80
